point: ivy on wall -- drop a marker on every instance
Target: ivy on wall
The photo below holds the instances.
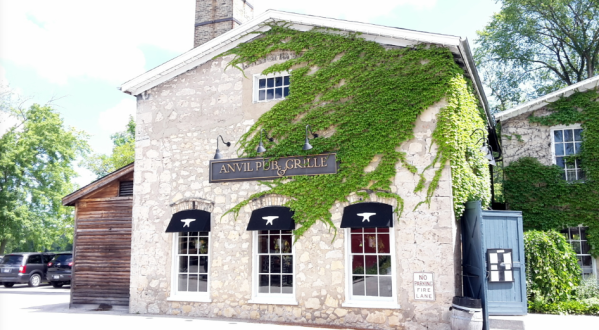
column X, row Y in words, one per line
column 364, row 100
column 545, row 198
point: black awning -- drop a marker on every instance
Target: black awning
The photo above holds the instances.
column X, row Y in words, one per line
column 367, row 215
column 272, row 218
column 188, row 221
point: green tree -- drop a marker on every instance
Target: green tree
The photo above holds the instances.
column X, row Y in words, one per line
column 37, row 154
column 123, row 152
column 533, row 47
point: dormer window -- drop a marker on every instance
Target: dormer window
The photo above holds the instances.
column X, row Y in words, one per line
column 271, row 87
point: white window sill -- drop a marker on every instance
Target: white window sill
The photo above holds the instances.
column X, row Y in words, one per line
column 273, row 301
column 371, row 304
column 204, row 299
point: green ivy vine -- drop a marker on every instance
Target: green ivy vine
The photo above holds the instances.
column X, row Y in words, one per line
column 366, row 100
column 545, row 198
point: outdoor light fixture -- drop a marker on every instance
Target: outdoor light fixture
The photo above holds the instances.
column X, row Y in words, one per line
column 261, row 148
column 485, row 149
column 218, row 155
column 307, row 145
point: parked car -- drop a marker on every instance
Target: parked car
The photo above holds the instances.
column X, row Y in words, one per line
column 59, row 269
column 24, row 267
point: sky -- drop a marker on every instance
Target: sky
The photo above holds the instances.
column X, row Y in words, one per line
column 75, row 53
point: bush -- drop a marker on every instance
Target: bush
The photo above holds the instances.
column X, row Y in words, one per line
column 588, row 289
column 580, row 307
column 552, row 270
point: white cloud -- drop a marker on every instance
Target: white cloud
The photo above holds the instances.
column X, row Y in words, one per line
column 116, row 118
column 353, row 10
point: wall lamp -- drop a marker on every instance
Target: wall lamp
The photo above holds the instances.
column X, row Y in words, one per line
column 218, row 155
column 261, row 148
column 307, row 145
column 485, row 149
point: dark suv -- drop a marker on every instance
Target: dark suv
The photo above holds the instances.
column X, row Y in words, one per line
column 24, row 267
column 59, row 269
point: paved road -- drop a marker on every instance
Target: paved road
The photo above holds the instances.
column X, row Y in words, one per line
column 45, row 307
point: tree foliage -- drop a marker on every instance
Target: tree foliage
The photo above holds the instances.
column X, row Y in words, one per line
column 36, row 167
column 123, row 152
column 533, row 47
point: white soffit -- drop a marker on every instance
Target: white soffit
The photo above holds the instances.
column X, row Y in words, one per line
column 205, row 52
column 542, row 101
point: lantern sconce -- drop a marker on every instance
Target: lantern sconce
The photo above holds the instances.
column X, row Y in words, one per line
column 261, row 148
column 486, row 149
column 307, row 145
column 218, row 155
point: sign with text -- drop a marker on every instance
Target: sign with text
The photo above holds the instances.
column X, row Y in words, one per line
column 423, row 286
column 248, row 169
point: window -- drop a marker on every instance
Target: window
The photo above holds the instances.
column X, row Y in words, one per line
column 577, row 237
column 125, row 188
column 268, row 88
column 371, row 268
column 191, row 266
column 568, row 142
column 34, row 259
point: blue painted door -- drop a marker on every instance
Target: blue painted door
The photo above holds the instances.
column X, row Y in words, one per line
column 503, row 230
column 474, row 282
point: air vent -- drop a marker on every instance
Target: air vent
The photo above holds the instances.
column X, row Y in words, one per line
column 126, row 188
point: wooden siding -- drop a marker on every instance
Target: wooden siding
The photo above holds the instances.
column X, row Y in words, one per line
column 102, row 249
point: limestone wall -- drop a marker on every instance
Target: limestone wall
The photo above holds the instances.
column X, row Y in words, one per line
column 212, row 10
column 177, row 125
column 521, row 138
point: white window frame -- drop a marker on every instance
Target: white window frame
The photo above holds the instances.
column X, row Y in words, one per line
column 271, row 298
column 593, row 260
column 368, row 301
column 255, row 87
column 175, row 294
column 559, row 128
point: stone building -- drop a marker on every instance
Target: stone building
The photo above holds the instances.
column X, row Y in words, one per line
column 189, row 258
column 550, row 145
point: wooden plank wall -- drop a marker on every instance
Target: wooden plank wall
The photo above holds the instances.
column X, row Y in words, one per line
column 102, row 249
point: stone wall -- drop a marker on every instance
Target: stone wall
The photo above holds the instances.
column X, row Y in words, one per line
column 521, row 138
column 177, row 125
column 214, row 10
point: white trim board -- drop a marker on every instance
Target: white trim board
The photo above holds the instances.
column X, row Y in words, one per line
column 540, row 102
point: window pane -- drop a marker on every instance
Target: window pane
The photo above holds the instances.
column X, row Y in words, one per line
column 557, row 136
column 559, row 161
column 262, row 244
column 575, row 233
column 278, row 81
column 286, row 80
column 385, row 285
column 288, row 264
column 385, row 265
column 369, row 243
column 285, row 232
column 194, row 245
column 287, row 284
column 203, row 245
column 358, row 285
column 576, row 247
column 568, row 135
column 559, row 149
column 193, row 283
column 263, row 232
column 275, row 264
column 358, row 264
column 382, row 230
column 263, row 285
column 183, row 282
column 183, row 264
column 203, row 264
column 578, row 146
column 383, row 243
column 587, row 261
column 203, row 283
column 262, row 95
column 584, row 247
column 583, row 233
column 569, row 148
column 371, row 265
column 193, row 233
column 370, row 230
column 577, row 135
column 356, row 230
column 285, row 91
column 372, row 286
column 270, row 82
column 262, row 83
column 263, row 264
column 275, row 283
column 182, row 245
column 194, row 266
column 287, row 243
column 278, row 93
column 270, row 94
column 274, row 244
column 204, row 233
column 357, row 243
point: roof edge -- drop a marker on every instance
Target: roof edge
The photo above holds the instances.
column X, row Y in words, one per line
column 70, row 199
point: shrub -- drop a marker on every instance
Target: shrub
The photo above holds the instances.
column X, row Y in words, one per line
column 584, row 307
column 552, row 270
column 588, row 289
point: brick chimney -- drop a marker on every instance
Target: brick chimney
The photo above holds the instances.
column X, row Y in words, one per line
column 215, row 17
